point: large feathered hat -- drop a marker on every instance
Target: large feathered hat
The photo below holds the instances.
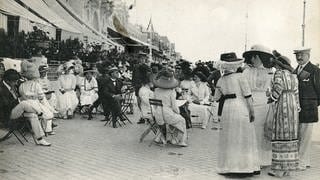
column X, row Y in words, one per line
column 29, row 70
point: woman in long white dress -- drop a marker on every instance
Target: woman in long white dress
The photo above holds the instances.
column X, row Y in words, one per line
column 165, row 92
column 237, row 141
column 67, row 99
column 259, row 78
column 200, row 94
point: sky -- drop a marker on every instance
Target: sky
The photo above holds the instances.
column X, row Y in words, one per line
column 203, row 29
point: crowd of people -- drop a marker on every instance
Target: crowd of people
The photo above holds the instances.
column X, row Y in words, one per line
column 263, row 108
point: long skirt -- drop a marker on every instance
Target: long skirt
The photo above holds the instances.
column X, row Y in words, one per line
column 238, row 151
column 199, row 114
column 67, row 101
column 285, row 155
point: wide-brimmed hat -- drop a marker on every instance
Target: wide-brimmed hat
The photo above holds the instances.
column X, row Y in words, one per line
column 264, row 53
column 230, row 58
column 29, row 70
column 68, row 65
column 301, row 50
column 89, row 69
column 166, row 80
column 47, row 91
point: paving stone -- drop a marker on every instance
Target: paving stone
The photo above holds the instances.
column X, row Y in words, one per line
column 83, row 149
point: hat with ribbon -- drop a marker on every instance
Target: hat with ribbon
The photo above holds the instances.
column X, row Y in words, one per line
column 166, row 80
column 230, row 58
column 263, row 52
column 43, row 68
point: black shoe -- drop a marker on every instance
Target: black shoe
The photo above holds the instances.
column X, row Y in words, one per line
column 256, row 172
column 90, row 118
column 141, row 121
column 54, row 125
column 114, row 125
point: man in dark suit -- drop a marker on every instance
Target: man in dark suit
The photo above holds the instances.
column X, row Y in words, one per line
column 309, row 97
column 11, row 107
column 8, row 95
column 110, row 93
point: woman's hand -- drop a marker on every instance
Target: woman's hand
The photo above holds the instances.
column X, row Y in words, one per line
column 252, row 117
column 299, row 108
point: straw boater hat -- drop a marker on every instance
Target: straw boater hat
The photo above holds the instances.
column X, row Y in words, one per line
column 113, row 69
column 264, row 53
column 302, row 50
column 166, row 80
column 29, row 70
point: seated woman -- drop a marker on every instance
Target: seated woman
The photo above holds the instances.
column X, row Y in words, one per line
column 165, row 92
column 67, row 100
column 88, row 89
column 200, row 94
column 186, row 84
column 145, row 94
column 32, row 93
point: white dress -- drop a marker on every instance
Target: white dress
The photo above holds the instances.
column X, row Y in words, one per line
column 89, row 91
column 145, row 94
column 171, row 112
column 260, row 80
column 238, row 151
column 200, row 112
column 68, row 100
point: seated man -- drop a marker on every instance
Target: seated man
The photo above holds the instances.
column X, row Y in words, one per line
column 111, row 95
column 11, row 109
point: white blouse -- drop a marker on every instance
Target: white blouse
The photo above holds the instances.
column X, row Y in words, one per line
column 201, row 92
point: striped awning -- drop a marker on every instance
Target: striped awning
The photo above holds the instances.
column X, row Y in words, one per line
column 11, row 7
column 45, row 12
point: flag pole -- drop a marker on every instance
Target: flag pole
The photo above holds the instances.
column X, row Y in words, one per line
column 246, row 33
column 303, row 22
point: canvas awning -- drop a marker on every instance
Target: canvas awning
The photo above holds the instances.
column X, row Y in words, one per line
column 10, row 7
column 44, row 11
column 129, row 40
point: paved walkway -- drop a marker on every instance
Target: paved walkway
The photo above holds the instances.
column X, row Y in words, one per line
column 83, row 149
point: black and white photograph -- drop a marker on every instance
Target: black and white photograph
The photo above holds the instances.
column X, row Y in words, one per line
column 159, row 89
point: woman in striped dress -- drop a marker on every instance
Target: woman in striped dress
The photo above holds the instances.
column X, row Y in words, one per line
column 284, row 126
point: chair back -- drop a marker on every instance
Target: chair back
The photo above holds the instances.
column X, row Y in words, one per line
column 127, row 99
column 156, row 108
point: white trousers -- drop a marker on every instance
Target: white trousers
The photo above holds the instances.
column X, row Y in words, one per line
column 305, row 136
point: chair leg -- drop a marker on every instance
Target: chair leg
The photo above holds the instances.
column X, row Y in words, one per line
column 17, row 138
column 144, row 134
column 107, row 122
column 21, row 133
column 32, row 133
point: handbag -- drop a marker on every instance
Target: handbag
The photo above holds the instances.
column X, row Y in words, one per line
column 269, row 122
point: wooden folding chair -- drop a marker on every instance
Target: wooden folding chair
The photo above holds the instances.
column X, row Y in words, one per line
column 159, row 125
column 22, row 126
column 127, row 99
